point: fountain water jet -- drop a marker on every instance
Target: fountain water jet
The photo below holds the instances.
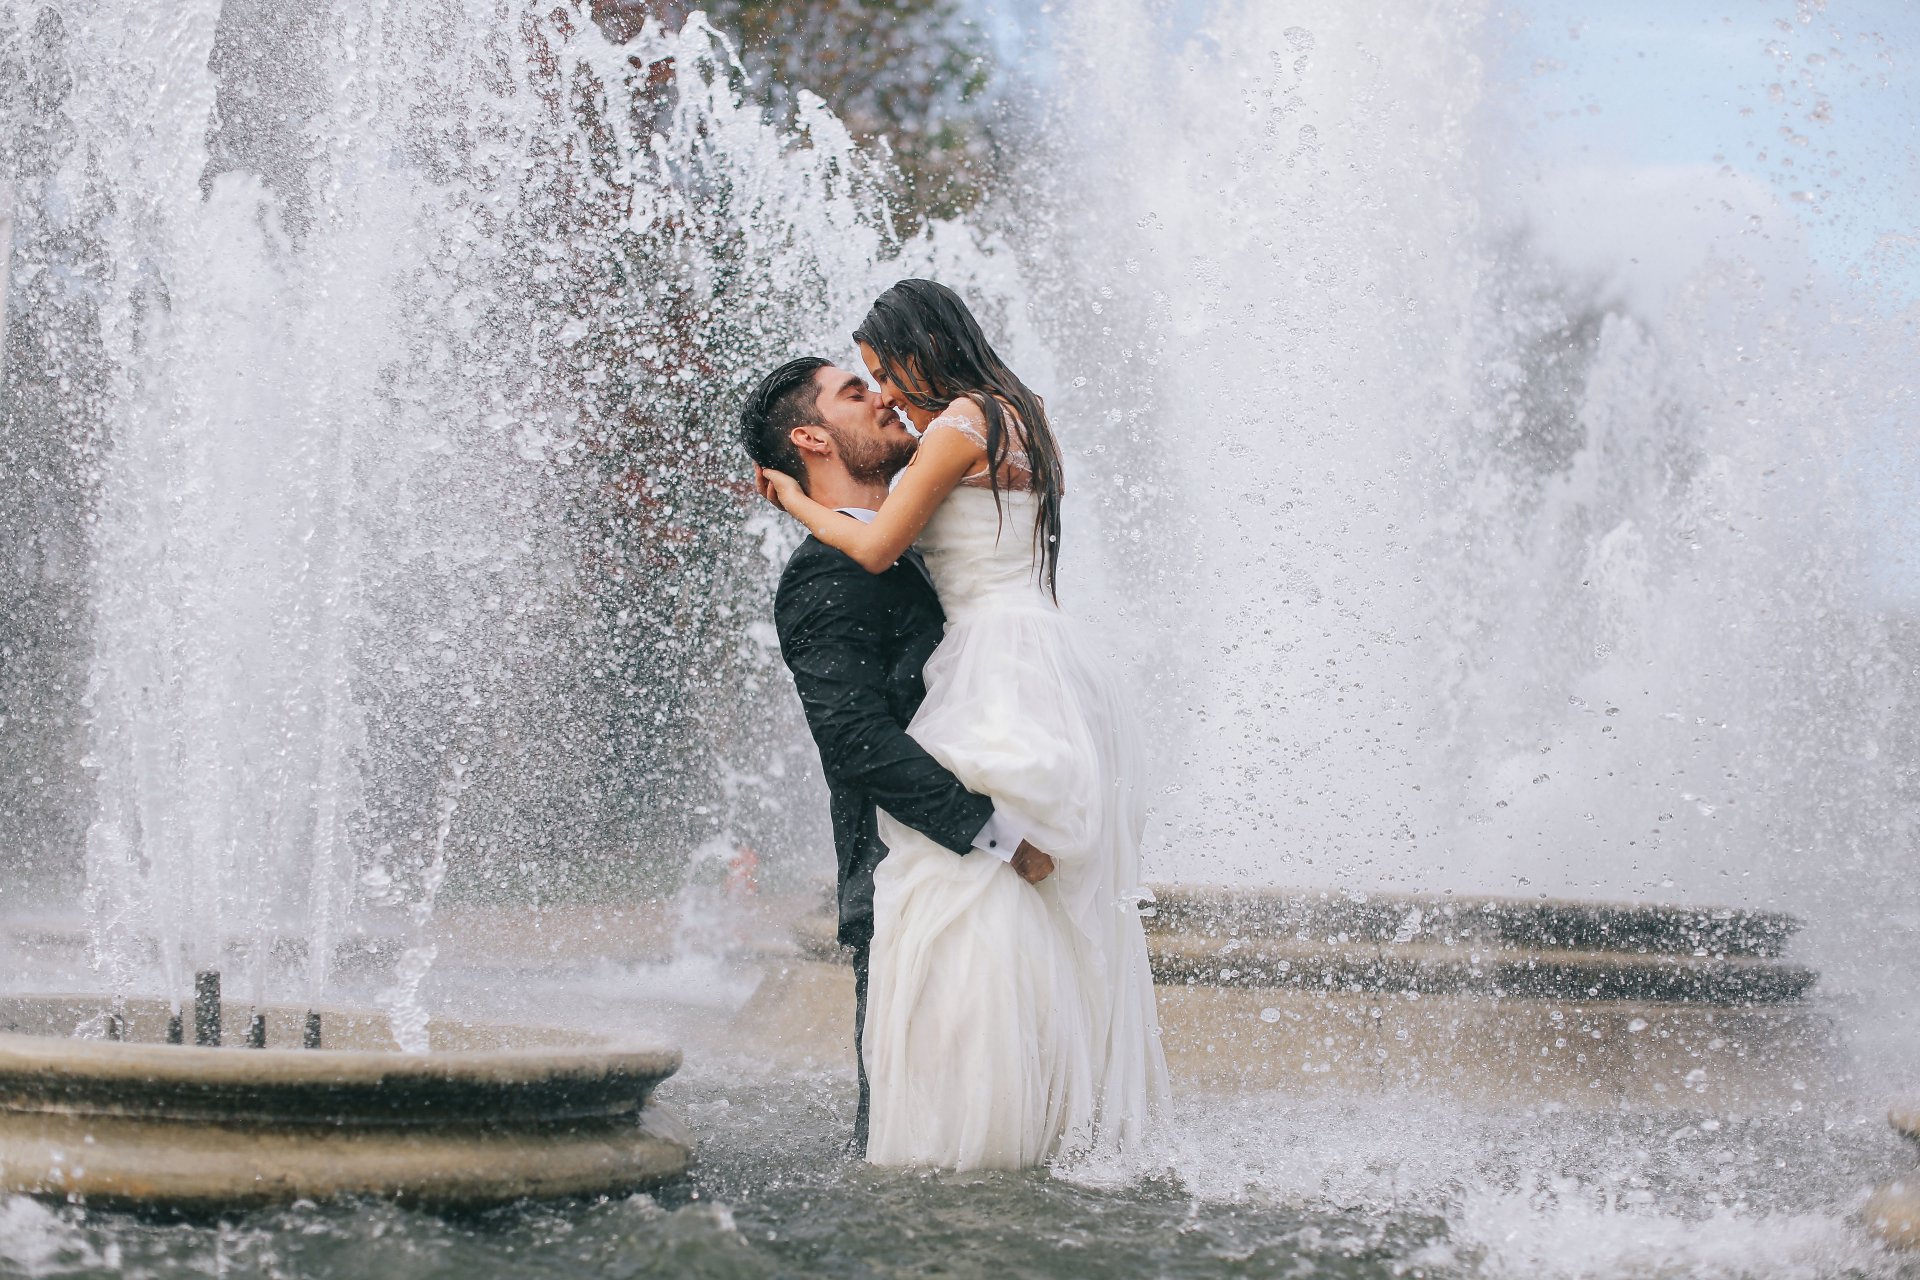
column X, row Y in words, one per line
column 393, row 306
column 1448, row 567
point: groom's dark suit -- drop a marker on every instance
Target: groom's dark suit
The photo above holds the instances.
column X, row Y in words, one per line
column 856, row 642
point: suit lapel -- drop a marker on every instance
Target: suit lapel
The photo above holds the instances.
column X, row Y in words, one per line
column 913, row 557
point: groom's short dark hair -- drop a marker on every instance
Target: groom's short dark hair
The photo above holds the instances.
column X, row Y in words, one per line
column 785, row 399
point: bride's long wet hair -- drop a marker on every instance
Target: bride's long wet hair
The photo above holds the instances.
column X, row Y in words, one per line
column 928, row 340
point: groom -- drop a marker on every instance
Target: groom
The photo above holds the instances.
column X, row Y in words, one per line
column 855, row 642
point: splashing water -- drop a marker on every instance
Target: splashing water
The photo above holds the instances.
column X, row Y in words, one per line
column 1439, row 568
column 400, row 352
column 1454, row 567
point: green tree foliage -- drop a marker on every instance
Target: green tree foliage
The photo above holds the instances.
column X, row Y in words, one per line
column 658, row 326
column 910, row 75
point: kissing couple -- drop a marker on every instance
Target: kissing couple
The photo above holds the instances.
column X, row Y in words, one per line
column 983, row 763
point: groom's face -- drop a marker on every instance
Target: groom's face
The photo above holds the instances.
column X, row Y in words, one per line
column 868, row 435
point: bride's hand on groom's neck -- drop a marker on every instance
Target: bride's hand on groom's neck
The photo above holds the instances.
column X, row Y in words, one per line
column 773, row 485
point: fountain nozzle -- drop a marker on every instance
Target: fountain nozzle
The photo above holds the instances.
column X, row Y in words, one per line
column 311, row 1040
column 206, row 1008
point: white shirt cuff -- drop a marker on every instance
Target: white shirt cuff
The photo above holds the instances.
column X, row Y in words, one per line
column 1001, row 836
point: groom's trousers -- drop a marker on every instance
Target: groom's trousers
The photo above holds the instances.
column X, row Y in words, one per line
column 861, row 950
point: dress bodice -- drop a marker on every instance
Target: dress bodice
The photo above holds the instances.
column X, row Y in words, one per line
column 981, row 555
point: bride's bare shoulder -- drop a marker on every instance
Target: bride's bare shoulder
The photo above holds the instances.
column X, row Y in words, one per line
column 964, row 417
column 964, row 414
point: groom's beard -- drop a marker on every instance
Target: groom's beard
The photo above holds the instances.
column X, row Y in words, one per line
column 870, row 459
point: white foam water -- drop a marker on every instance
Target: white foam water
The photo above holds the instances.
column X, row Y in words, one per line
column 1552, row 1192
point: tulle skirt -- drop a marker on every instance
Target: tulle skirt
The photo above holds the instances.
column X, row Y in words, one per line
column 1008, row 1023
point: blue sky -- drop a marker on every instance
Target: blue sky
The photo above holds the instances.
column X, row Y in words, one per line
column 1820, row 101
column 1822, row 104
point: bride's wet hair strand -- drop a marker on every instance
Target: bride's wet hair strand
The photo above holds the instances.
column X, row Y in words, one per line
column 931, row 347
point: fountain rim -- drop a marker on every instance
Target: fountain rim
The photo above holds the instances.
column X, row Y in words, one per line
column 580, row 1056
column 1542, row 922
column 212, row 1128
column 1461, row 900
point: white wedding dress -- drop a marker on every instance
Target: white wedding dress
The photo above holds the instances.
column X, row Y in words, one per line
column 1009, row 1023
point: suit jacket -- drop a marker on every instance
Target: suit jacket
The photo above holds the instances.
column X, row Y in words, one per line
column 856, row 642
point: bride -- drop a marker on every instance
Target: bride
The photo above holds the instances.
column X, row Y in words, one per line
column 1007, row 1022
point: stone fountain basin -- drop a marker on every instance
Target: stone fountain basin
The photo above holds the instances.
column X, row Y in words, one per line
column 491, row 1113
column 1893, row 1212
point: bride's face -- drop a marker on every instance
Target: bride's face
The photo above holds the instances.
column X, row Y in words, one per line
column 893, row 393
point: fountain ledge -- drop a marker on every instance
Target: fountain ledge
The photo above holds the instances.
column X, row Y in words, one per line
column 490, row 1113
column 1508, row 1002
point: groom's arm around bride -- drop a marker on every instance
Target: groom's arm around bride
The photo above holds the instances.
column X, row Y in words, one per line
column 855, row 643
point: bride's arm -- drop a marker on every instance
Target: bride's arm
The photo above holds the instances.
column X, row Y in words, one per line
column 942, row 461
